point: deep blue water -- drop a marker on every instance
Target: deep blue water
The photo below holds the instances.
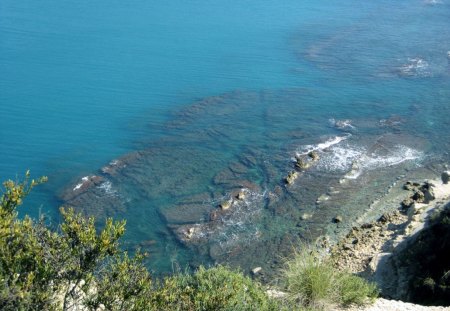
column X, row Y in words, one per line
column 83, row 83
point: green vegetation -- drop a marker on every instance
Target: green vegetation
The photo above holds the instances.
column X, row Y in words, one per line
column 41, row 269
column 77, row 267
column 216, row 288
column 311, row 281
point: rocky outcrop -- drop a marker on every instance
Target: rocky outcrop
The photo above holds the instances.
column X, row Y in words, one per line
column 405, row 252
column 291, row 177
column 301, row 163
column 420, row 193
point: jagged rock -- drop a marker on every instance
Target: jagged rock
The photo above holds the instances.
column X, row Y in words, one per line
column 337, row 219
column 445, row 176
column 291, row 177
column 408, row 186
column 428, row 192
column 419, row 196
column 366, row 226
column 408, row 202
column 256, row 270
column 226, row 205
column 313, row 155
column 240, row 195
column 301, row 164
column 384, row 218
column 189, row 233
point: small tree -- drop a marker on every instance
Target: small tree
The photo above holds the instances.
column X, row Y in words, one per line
column 77, row 267
column 74, row 266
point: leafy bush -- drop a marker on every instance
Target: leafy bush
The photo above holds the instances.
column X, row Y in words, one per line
column 215, row 288
column 78, row 267
column 311, row 281
column 41, row 269
column 355, row 290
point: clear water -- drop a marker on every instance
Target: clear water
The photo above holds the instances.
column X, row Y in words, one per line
column 219, row 96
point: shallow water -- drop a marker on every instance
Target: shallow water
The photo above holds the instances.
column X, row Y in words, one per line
column 192, row 102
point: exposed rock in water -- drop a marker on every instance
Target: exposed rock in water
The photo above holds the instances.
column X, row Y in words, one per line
column 314, row 155
column 445, row 176
column 337, row 219
column 291, row 177
column 240, row 195
column 301, row 163
column 226, row 205
column 256, row 270
column 422, row 193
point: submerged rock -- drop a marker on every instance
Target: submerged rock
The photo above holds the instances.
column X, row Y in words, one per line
column 305, row 216
column 185, row 213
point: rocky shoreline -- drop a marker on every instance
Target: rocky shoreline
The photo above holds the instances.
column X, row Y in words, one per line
column 374, row 250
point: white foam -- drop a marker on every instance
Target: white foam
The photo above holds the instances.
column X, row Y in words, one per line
column 341, row 124
column 322, row 146
column 415, row 67
column 340, row 158
column 396, row 156
column 107, row 187
column 353, row 161
column 78, row 186
column 83, row 180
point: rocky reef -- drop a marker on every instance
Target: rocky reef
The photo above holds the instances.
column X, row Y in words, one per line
column 235, row 181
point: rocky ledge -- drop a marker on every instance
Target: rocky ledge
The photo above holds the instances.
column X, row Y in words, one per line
column 397, row 250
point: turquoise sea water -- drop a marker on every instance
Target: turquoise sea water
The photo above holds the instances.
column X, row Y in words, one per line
column 191, row 101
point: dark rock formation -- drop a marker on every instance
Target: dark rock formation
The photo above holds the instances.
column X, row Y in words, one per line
column 445, row 176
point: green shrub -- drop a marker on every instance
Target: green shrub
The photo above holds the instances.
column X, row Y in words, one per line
column 41, row 269
column 80, row 267
column 355, row 290
column 312, row 281
column 217, row 288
